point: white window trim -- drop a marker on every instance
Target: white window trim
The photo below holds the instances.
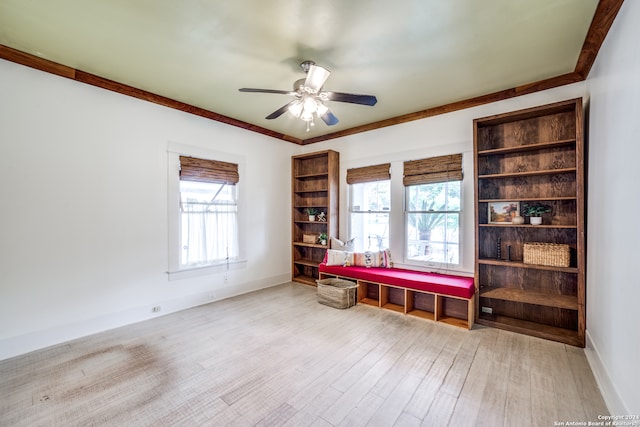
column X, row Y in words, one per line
column 175, row 271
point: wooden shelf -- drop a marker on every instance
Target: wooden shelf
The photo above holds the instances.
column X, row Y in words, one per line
column 527, row 226
column 520, row 264
column 422, row 314
column 312, row 175
column 308, row 262
column 370, row 301
column 530, row 199
column 534, row 155
column 307, row 280
column 535, row 329
column 530, row 297
column 314, row 184
column 394, row 307
column 529, row 173
column 311, row 245
column 528, row 147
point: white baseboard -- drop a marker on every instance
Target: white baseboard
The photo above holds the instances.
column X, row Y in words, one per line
column 22, row 344
column 610, row 394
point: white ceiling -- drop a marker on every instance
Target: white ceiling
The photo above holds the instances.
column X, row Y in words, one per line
column 412, row 54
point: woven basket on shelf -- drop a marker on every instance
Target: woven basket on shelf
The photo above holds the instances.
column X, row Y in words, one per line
column 550, row 254
column 309, row 238
column 337, row 293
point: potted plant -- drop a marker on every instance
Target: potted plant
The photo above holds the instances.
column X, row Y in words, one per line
column 322, row 238
column 312, row 212
column 534, row 212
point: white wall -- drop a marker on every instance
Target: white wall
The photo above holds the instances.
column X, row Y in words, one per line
column 83, row 224
column 613, row 233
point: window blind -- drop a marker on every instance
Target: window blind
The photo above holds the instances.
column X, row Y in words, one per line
column 202, row 170
column 369, row 174
column 433, row 169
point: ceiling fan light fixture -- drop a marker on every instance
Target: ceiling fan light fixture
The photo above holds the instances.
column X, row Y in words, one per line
column 296, row 108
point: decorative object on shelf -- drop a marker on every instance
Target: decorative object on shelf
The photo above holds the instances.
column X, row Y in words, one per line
column 309, row 238
column 550, row 254
column 312, row 212
column 321, row 217
column 499, row 249
column 322, row 238
column 517, row 220
column 503, row 212
column 534, row 212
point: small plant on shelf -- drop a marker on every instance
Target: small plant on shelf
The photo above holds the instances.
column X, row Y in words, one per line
column 322, row 238
column 312, row 212
column 535, row 211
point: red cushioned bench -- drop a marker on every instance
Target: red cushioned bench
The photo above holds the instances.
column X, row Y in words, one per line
column 441, row 297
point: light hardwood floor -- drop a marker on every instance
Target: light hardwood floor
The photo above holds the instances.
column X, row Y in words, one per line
column 277, row 357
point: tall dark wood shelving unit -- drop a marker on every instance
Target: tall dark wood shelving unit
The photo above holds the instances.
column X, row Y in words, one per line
column 532, row 156
column 314, row 184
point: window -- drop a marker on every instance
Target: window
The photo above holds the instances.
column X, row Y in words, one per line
column 433, row 209
column 208, row 212
column 369, row 207
column 208, row 223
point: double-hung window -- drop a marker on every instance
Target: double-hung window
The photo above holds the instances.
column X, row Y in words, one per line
column 432, row 210
column 369, row 206
column 208, row 212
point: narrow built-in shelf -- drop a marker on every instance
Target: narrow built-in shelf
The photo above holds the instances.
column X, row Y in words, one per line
column 311, row 245
column 309, row 262
column 520, row 264
column 310, row 222
column 312, row 175
column 528, row 147
column 530, row 297
column 529, row 173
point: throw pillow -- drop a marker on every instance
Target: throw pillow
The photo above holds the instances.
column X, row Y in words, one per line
column 339, row 245
column 341, row 258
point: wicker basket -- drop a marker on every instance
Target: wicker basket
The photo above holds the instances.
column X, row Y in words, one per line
column 551, row 254
column 337, row 293
column 309, row 238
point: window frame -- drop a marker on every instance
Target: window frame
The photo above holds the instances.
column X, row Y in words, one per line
column 175, row 271
column 406, row 223
column 352, row 212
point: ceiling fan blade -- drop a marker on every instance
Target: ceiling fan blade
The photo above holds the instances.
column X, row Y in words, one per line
column 316, row 77
column 281, row 92
column 351, row 97
column 280, row 111
column 329, row 118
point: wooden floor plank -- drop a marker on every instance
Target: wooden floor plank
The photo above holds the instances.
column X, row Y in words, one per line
column 277, row 357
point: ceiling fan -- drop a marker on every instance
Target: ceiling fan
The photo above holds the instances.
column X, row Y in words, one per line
column 310, row 98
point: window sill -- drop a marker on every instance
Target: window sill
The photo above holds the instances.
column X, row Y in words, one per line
column 205, row 270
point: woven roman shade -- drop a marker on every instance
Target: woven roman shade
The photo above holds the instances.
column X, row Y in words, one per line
column 433, row 169
column 202, row 170
column 368, row 174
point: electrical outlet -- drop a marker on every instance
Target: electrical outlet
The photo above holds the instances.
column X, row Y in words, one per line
column 156, row 309
column 487, row 310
